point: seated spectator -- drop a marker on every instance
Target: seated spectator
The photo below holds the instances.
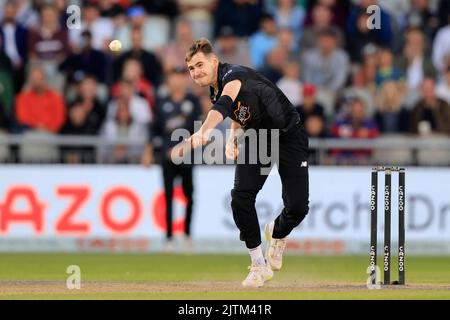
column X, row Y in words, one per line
column 414, row 62
column 262, row 41
column 243, row 15
column 200, row 15
column 420, row 16
column 443, row 88
column 386, row 69
column 132, row 72
column 321, row 19
column 13, row 43
column 87, row 61
column 285, row 40
column 326, row 66
column 289, row 15
column 127, row 117
column 384, row 35
column 82, row 119
column 173, row 54
column 101, row 28
column 356, row 125
column 272, row 69
column 391, row 116
column 151, row 64
column 48, row 44
column 362, row 37
column 441, row 50
column 431, row 114
column 312, row 113
column 290, row 83
column 39, row 107
column 231, row 49
column 155, row 28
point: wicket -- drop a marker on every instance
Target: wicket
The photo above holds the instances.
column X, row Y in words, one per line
column 387, row 224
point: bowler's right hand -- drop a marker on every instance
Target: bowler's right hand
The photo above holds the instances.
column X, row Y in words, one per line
column 231, row 149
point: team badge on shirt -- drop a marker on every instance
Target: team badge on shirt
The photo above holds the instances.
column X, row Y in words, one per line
column 242, row 113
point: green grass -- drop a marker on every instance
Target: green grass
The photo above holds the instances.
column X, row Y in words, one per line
column 302, row 277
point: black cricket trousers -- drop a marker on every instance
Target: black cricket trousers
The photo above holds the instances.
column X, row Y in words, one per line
column 293, row 171
column 170, row 172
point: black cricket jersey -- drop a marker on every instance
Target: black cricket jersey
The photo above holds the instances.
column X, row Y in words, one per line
column 260, row 104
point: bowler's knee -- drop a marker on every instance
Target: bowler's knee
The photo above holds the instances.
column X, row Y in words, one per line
column 242, row 198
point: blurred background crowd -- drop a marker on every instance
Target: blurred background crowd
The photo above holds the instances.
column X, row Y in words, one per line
column 346, row 80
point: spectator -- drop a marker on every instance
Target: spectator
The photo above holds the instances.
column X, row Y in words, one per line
column 289, row 15
column 231, row 49
column 263, row 40
column 127, row 117
column 321, row 20
column 290, row 83
column 327, row 65
column 421, row 17
column 133, row 73
column 391, row 116
column 167, row 8
column 384, row 35
column 109, row 8
column 338, row 8
column 102, row 29
column 273, row 67
column 386, row 69
column 414, row 62
column 200, row 14
column 441, row 50
column 443, row 88
column 48, row 45
column 6, row 83
column 48, row 42
column 173, row 54
column 431, row 114
column 88, row 61
column 312, row 113
column 285, row 40
column 243, row 15
column 26, row 14
column 151, row 64
column 155, row 29
column 13, row 42
column 178, row 110
column 38, row 107
column 362, row 38
column 355, row 124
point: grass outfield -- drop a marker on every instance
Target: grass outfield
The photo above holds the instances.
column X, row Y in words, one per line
column 157, row 276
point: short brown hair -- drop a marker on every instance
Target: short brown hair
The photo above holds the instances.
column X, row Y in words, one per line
column 200, row 45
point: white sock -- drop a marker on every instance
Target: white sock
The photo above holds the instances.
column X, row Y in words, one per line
column 257, row 256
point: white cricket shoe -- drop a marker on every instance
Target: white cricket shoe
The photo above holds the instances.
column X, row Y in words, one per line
column 275, row 248
column 257, row 276
column 169, row 246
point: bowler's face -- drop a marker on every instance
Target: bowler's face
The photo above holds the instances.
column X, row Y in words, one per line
column 203, row 69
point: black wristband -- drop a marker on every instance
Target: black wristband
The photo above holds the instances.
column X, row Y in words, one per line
column 223, row 105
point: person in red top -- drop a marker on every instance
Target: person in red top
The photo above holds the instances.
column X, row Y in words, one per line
column 39, row 107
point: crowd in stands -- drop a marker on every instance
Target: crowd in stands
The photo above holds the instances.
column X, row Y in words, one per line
column 347, row 77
